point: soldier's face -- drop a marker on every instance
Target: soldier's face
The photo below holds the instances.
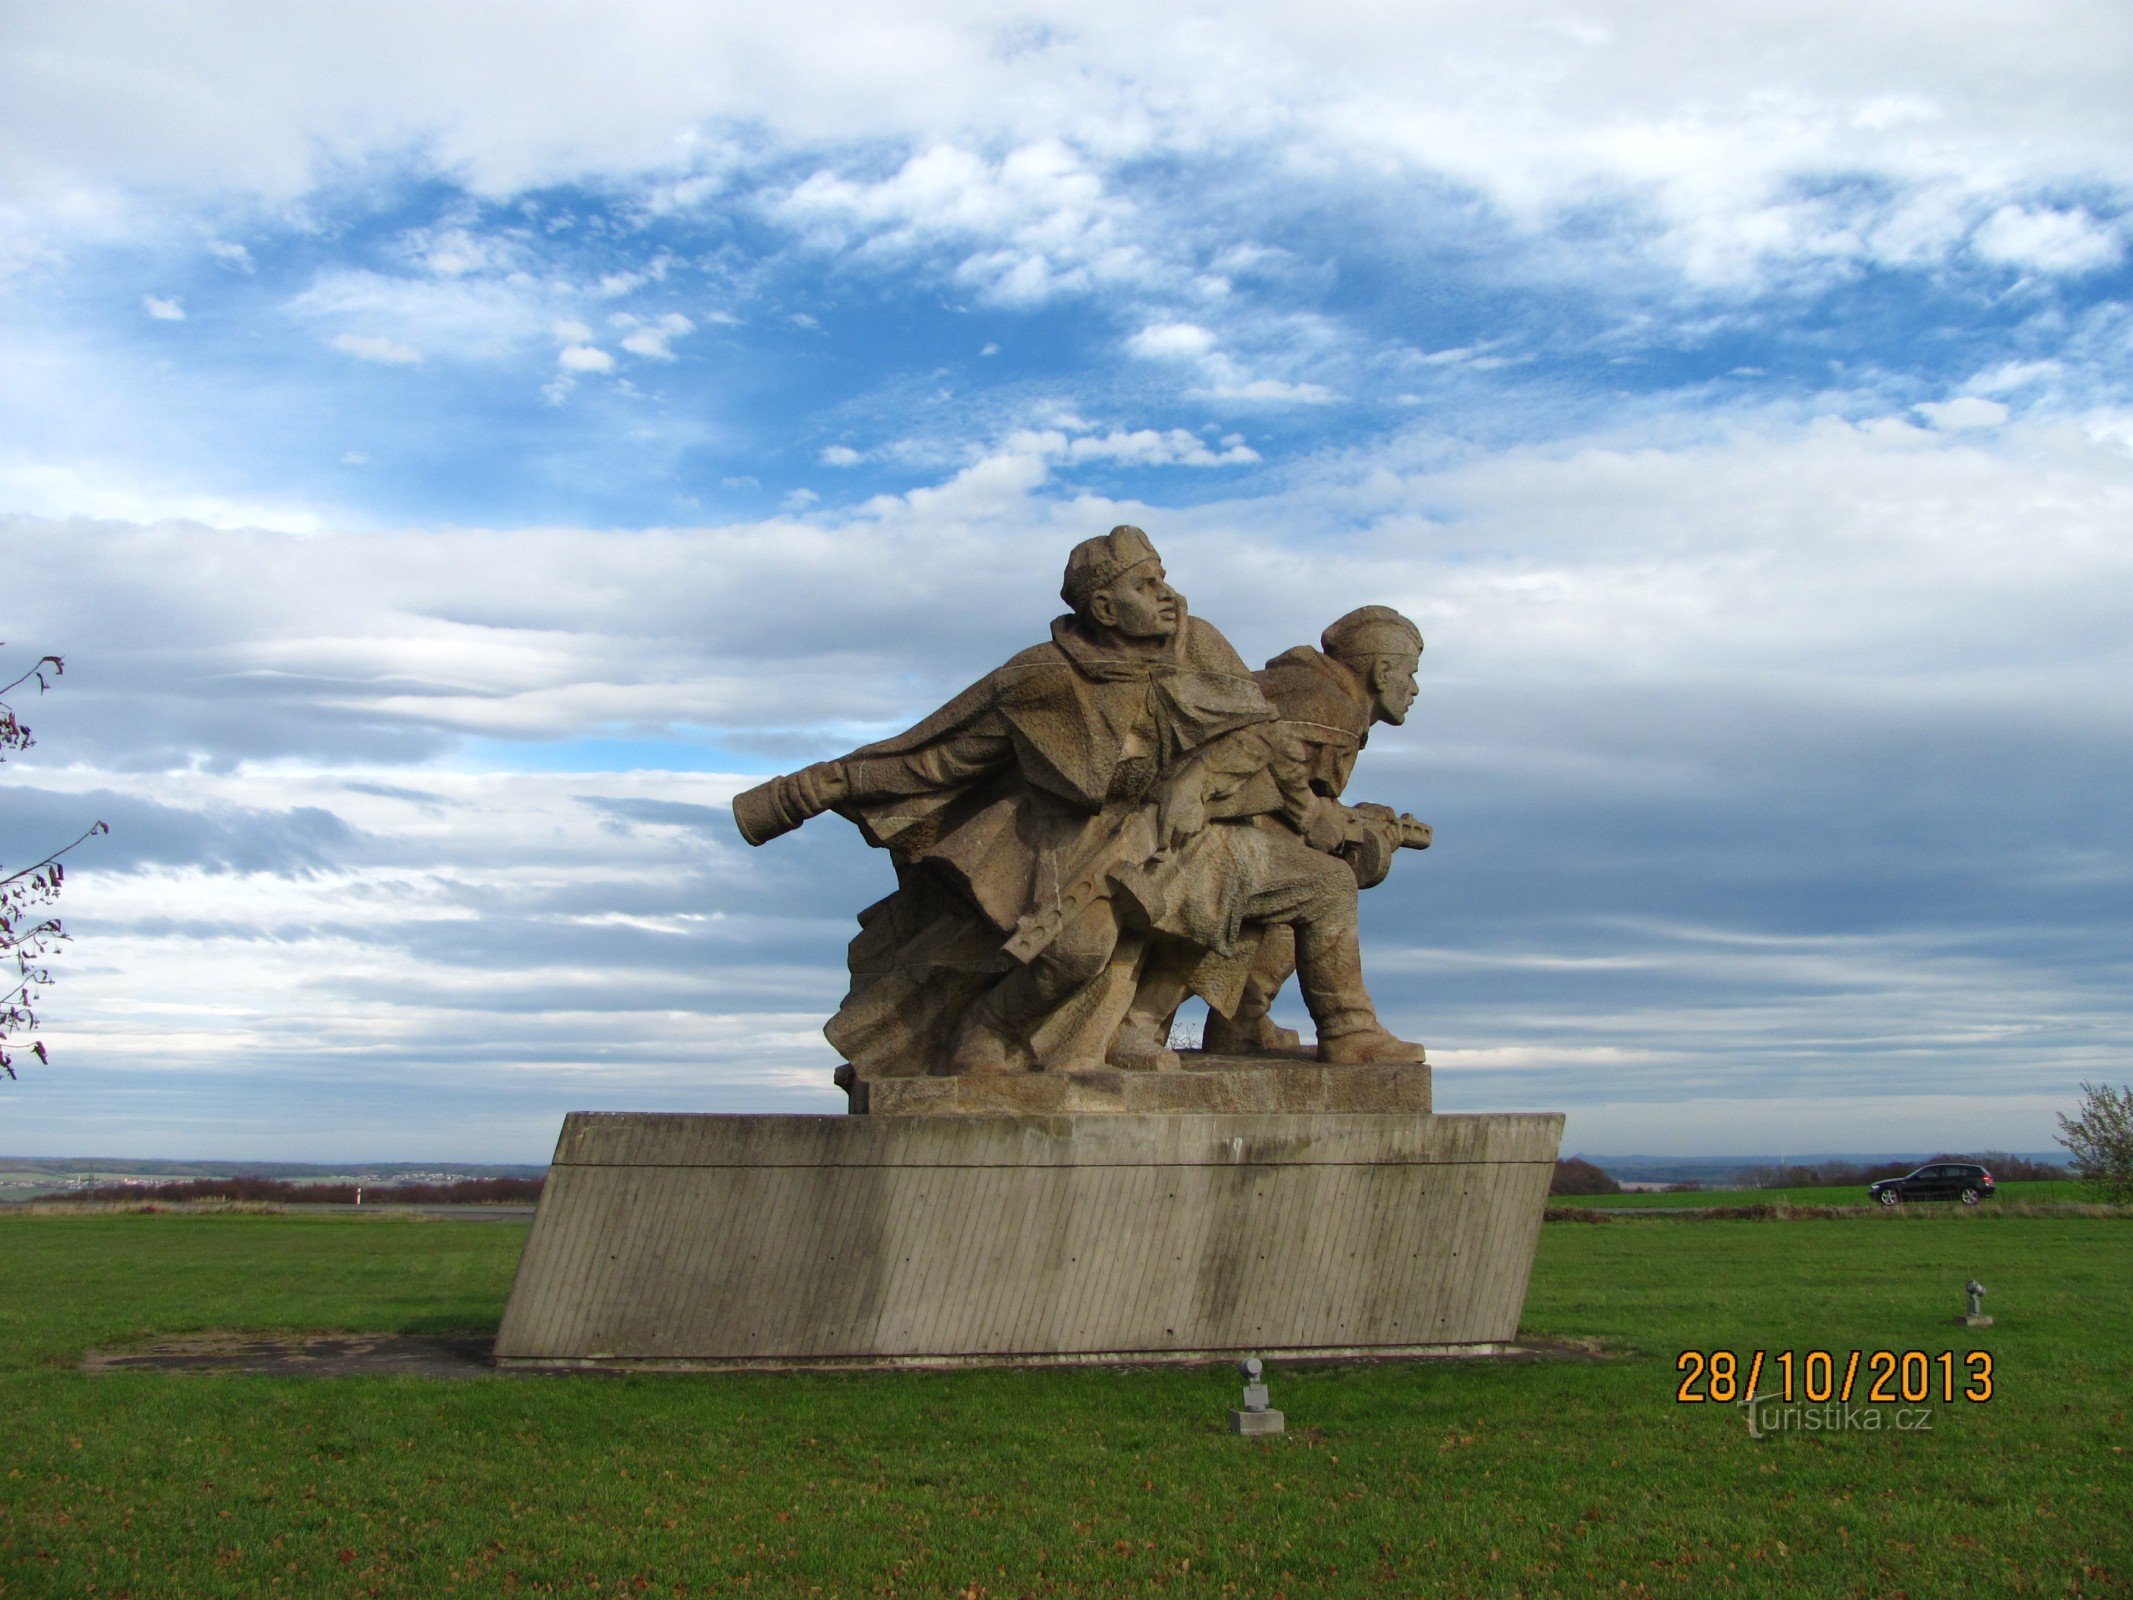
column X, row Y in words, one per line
column 1393, row 681
column 1140, row 603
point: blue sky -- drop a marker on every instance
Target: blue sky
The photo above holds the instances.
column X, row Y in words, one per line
column 456, row 450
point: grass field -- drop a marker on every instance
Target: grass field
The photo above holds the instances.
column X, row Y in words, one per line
column 1566, row 1477
column 2048, row 1192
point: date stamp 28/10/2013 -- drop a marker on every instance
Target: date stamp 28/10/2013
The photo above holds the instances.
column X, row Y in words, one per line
column 1872, row 1377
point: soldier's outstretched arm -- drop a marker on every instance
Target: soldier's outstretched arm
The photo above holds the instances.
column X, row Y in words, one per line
column 782, row 804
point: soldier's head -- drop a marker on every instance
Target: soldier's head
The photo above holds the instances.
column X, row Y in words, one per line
column 1384, row 649
column 1116, row 583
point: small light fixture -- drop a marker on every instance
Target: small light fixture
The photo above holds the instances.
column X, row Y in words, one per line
column 1255, row 1418
column 1976, row 1317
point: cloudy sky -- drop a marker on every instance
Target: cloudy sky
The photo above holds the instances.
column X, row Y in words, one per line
column 456, row 447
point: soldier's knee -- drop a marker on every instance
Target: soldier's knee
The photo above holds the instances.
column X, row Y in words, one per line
column 1331, row 889
column 1082, row 950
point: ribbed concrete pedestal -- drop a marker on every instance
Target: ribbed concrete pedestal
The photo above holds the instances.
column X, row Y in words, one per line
column 680, row 1242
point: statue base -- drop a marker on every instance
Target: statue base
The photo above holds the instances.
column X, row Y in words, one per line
column 679, row 1242
column 1291, row 1082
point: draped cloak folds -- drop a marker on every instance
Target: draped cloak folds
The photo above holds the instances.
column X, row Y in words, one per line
column 1040, row 775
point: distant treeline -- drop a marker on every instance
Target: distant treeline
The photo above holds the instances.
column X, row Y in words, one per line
column 464, row 1192
column 1577, row 1176
column 1848, row 1174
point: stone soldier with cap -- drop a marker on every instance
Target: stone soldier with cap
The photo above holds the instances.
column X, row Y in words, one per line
column 1363, row 673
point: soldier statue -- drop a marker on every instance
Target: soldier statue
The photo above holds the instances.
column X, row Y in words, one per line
column 1114, row 819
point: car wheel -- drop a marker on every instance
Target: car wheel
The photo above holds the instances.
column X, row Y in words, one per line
column 1890, row 1197
column 1969, row 1197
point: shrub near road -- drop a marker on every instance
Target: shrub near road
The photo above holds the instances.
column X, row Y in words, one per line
column 1562, row 1477
column 277, row 1191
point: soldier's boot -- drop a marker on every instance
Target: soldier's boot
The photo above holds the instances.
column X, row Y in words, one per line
column 989, row 1040
column 1142, row 1040
column 1247, row 1036
column 1249, row 1030
column 1368, row 1046
column 1141, row 1045
column 1329, row 970
column 995, row 1033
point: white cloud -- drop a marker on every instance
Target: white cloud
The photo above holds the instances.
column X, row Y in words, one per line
column 161, row 309
column 2047, row 240
column 1034, row 224
column 1274, row 391
column 97, row 491
column 1965, row 411
column 1172, row 341
column 1709, row 122
column 655, row 339
column 458, row 253
column 468, row 319
column 1225, row 379
column 840, row 455
column 1145, row 447
column 584, row 358
column 370, row 347
column 2012, row 375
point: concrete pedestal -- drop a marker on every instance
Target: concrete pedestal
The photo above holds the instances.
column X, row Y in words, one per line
column 679, row 1242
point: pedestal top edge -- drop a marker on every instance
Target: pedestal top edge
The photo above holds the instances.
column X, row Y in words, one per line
column 670, row 1138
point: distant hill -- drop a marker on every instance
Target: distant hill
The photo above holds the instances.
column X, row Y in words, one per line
column 26, row 1177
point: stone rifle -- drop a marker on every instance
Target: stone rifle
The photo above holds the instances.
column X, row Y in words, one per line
column 1087, row 882
column 1093, row 869
column 1414, row 835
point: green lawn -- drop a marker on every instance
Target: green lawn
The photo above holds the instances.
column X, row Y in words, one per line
column 2048, row 1192
column 1572, row 1478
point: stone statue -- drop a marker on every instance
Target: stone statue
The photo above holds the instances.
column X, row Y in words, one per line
column 1113, row 820
column 1328, row 698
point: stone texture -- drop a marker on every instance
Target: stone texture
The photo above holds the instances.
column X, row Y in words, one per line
column 1117, row 819
column 680, row 1241
column 1291, row 1082
column 1253, row 1424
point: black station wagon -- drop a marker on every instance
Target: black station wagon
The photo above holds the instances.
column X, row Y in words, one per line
column 1940, row 1180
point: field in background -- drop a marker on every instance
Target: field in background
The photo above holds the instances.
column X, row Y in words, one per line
column 2061, row 1192
column 1563, row 1477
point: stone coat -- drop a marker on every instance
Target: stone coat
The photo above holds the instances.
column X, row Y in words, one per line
column 1064, row 762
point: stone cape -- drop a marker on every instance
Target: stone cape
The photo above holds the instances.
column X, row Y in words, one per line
column 975, row 851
